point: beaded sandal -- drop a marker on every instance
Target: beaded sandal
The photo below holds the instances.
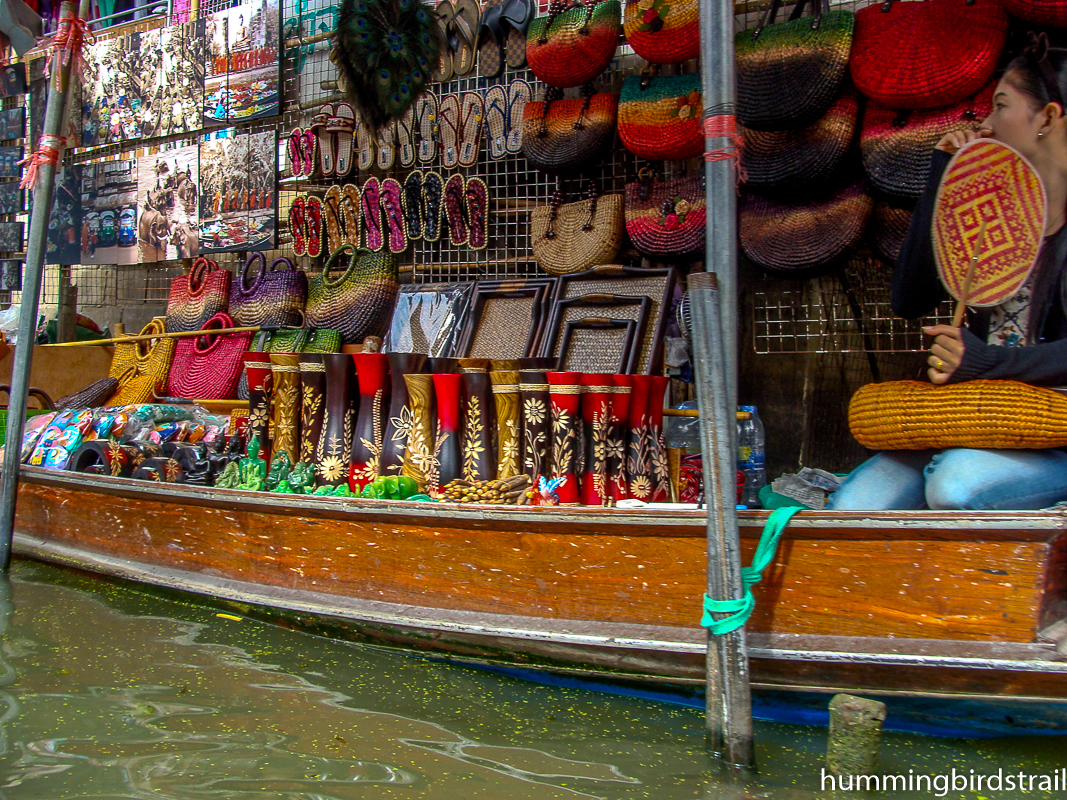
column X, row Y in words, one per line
column 372, row 214
column 326, row 141
column 433, row 189
column 448, row 125
column 297, row 223
column 470, row 132
column 455, row 210
column 393, row 211
column 341, row 125
column 332, row 216
column 314, row 226
column 496, row 120
column 412, row 202
column 426, row 128
column 477, row 196
column 350, row 211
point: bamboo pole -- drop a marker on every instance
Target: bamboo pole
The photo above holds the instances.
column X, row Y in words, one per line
column 177, row 335
column 56, row 110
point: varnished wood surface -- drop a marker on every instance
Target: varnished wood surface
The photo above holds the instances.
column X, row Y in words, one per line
column 906, row 581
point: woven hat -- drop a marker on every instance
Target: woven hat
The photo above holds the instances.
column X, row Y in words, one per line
column 888, row 228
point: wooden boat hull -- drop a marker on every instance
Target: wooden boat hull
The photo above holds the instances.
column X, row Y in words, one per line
column 915, row 603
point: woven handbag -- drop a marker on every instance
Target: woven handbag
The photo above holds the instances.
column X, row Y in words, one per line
column 141, row 367
column 666, row 218
column 790, row 73
column 1044, row 12
column 271, row 297
column 305, row 340
column 929, row 54
column 92, row 396
column 801, row 240
column 575, row 42
column 660, row 117
column 663, row 31
column 208, row 367
column 571, row 237
column 561, row 134
column 360, row 301
column 197, row 297
column 897, row 146
column 1000, row 415
column 783, row 161
column 888, row 229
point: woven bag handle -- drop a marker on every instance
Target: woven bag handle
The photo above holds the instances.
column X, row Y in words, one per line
column 144, row 349
column 556, row 205
column 559, row 7
column 587, row 94
column 220, row 320
column 198, row 274
column 593, row 194
column 262, row 259
column 352, row 258
column 551, row 95
column 281, row 260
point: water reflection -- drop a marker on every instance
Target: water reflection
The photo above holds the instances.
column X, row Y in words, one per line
column 8, row 675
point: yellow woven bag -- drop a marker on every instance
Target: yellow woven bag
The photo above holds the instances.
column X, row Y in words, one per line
column 1000, row 415
column 141, row 371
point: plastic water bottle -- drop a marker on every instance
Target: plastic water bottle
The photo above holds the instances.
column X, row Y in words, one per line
column 751, row 456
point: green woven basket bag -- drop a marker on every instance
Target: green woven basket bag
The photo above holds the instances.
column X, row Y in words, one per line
column 359, row 302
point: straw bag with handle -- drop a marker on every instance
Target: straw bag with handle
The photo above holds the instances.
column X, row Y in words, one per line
column 993, row 414
column 660, row 117
column 197, row 297
column 272, row 297
column 359, row 302
column 141, row 367
column 575, row 42
column 663, row 31
column 571, row 237
column 666, row 218
column 208, row 367
column 560, row 134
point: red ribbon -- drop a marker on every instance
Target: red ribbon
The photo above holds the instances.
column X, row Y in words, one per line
column 71, row 36
column 48, row 153
column 724, row 126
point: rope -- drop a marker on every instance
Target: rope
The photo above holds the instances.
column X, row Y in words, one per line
column 740, row 610
column 724, row 126
column 48, row 153
column 71, row 35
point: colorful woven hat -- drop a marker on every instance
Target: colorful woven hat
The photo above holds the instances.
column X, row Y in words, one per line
column 991, row 183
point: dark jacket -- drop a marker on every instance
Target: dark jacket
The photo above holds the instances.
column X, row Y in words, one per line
column 917, row 291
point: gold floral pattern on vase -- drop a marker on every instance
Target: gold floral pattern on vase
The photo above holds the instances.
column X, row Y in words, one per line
column 260, row 385
column 334, row 450
column 398, row 420
column 478, row 461
column 638, row 457
column 564, row 396
column 420, row 462
column 448, row 446
column 596, row 419
column 657, row 448
column 285, row 404
column 618, row 487
column 506, row 399
column 312, row 404
column 536, row 425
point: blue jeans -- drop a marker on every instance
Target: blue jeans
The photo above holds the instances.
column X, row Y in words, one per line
column 1006, row 480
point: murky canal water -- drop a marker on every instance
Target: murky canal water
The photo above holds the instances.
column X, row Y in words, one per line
column 111, row 693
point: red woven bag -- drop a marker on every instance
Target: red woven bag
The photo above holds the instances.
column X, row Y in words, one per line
column 926, row 54
column 1044, row 12
column 196, row 297
column 208, row 367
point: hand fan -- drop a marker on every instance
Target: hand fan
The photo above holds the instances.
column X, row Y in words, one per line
column 989, row 221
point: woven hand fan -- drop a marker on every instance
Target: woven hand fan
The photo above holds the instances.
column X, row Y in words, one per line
column 989, row 221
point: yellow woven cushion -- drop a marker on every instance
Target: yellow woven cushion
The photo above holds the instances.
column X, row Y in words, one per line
column 910, row 415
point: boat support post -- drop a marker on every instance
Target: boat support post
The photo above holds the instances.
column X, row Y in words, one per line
column 713, row 300
column 56, row 113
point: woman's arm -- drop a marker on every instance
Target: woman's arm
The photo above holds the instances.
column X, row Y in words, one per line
column 1040, row 364
column 916, row 288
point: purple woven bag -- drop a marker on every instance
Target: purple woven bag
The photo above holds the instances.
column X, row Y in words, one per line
column 271, row 297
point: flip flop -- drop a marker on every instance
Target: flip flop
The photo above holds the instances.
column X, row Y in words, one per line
column 292, row 149
column 405, row 139
column 387, row 146
column 332, row 216
column 496, row 120
column 444, row 12
column 471, row 115
column 372, row 214
column 519, row 94
column 490, row 40
column 515, row 19
column 365, row 141
column 314, row 226
column 297, row 222
column 455, row 211
column 464, row 31
column 341, row 124
column 448, row 126
column 393, row 211
column 477, row 196
column 309, row 148
column 326, row 144
column 426, row 123
column 350, row 211
column 412, row 201
column 433, row 190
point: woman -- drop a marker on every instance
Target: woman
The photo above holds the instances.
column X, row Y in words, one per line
column 1024, row 339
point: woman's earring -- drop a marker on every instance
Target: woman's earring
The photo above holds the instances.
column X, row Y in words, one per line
column 1040, row 134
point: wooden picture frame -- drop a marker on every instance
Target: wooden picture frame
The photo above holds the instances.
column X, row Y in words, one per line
column 626, row 353
column 489, row 318
column 564, row 311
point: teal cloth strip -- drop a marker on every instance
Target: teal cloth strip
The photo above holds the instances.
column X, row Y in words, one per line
column 740, row 610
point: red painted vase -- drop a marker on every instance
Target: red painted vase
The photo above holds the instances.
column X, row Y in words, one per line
column 372, row 375
column 597, row 388
column 564, row 394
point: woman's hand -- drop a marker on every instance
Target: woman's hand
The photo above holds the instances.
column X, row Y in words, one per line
column 946, row 352
column 951, row 142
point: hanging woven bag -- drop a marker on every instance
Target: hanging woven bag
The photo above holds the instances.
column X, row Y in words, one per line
column 898, row 146
column 575, row 42
column 141, row 367
column 571, row 237
column 663, row 31
column 927, row 54
column 208, row 367
column 806, row 238
column 888, row 228
column 92, row 396
column 360, row 301
column 197, row 297
column 784, row 161
column 1052, row 13
column 562, row 134
column 983, row 414
column 271, row 297
column 305, row 340
column 790, row 73
column 666, row 218
column 660, row 117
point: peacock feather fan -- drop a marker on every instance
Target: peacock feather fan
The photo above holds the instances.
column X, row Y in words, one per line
column 384, row 51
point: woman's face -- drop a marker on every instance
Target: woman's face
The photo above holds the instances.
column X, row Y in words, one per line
column 1014, row 120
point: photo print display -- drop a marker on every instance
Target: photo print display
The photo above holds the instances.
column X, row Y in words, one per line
column 11, row 198
column 10, row 156
column 63, row 245
column 112, row 101
column 10, row 275
column 12, row 124
column 11, row 237
column 238, row 201
column 109, row 212
column 172, row 63
column 168, row 200
column 13, row 79
column 242, row 64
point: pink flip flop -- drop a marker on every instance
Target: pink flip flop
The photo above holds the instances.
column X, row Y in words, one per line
column 393, row 210
column 309, row 148
column 292, row 149
column 470, row 134
column 342, row 124
column 314, row 226
column 372, row 214
column 326, row 140
column 297, row 223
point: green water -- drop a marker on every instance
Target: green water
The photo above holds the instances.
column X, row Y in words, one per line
column 111, row 693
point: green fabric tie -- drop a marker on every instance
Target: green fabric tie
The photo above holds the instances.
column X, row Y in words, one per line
column 740, row 610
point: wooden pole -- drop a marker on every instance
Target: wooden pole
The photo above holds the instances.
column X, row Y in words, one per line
column 178, row 335
column 961, row 304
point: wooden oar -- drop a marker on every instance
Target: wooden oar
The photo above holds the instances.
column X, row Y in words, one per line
column 961, row 304
column 181, row 335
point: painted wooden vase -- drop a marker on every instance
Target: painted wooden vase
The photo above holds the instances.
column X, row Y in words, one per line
column 638, row 458
column 334, row 451
column 565, row 392
column 285, row 405
column 657, row 448
column 260, row 384
column 372, row 375
column 398, row 420
column 419, row 462
column 618, row 488
column 448, row 435
column 506, row 402
column 312, row 404
column 536, row 425
column 479, row 461
column 597, row 392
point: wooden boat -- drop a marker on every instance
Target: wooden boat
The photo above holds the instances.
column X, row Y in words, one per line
column 953, row 604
